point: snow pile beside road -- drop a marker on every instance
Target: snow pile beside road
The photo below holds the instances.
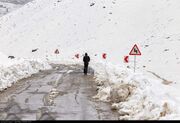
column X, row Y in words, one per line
column 117, row 25
column 13, row 70
column 135, row 96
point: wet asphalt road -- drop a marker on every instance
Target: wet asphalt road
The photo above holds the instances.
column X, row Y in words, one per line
column 62, row 93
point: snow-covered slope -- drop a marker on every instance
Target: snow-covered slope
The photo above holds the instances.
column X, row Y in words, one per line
column 107, row 26
column 13, row 69
column 96, row 27
column 21, row 2
column 7, row 7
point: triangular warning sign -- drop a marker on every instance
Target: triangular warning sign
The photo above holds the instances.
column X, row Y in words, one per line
column 135, row 51
column 56, row 51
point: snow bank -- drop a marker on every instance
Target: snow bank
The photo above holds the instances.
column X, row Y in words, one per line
column 136, row 96
column 117, row 25
column 13, row 70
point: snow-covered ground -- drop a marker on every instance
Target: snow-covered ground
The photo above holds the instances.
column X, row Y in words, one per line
column 12, row 70
column 136, row 95
column 21, row 2
column 7, row 7
column 112, row 27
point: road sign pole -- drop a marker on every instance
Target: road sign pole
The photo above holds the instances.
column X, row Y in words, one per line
column 135, row 51
column 134, row 63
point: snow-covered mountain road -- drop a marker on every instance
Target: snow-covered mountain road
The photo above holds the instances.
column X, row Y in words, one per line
column 62, row 93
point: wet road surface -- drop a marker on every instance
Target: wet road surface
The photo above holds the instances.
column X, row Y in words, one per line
column 62, row 93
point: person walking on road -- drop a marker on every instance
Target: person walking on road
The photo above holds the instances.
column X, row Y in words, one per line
column 86, row 60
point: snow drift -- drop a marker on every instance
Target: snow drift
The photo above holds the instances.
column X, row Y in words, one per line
column 135, row 95
column 13, row 70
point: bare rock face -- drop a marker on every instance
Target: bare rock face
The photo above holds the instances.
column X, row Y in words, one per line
column 120, row 92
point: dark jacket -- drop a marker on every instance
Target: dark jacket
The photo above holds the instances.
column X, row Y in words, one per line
column 86, row 59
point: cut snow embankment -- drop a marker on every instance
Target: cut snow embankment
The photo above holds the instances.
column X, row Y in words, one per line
column 136, row 96
column 13, row 70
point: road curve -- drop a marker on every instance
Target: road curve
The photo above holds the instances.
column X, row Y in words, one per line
column 62, row 93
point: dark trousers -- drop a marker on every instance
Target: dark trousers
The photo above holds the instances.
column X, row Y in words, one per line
column 85, row 68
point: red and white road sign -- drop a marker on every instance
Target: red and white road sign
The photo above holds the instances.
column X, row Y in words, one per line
column 126, row 59
column 135, row 51
column 56, row 51
column 104, row 55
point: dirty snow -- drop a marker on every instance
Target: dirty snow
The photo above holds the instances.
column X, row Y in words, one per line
column 12, row 70
column 111, row 27
column 135, row 95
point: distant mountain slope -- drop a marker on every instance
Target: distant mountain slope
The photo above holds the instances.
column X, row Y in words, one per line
column 97, row 26
column 16, row 1
column 7, row 6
